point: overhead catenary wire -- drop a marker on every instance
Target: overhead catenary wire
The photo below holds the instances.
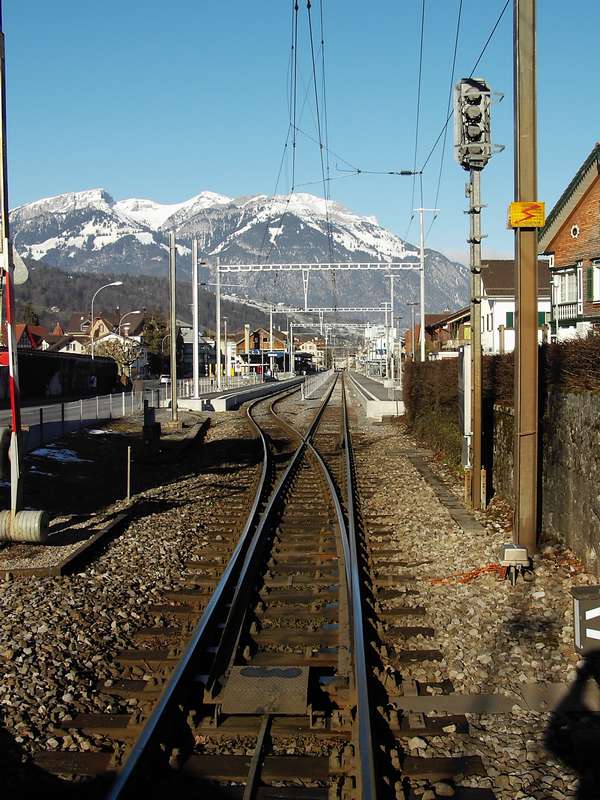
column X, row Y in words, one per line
column 293, row 110
column 477, row 62
column 418, row 115
column 319, row 131
column 448, row 108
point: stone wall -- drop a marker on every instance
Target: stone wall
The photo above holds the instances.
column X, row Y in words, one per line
column 570, row 470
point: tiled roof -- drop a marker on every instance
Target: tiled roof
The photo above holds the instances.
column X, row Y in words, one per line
column 498, row 278
column 570, row 197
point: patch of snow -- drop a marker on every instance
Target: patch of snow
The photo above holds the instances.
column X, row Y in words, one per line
column 55, row 453
column 155, row 215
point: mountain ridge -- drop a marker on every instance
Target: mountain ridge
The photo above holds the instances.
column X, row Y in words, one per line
column 89, row 231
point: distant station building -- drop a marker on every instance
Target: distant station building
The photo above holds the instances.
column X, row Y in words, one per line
column 253, row 349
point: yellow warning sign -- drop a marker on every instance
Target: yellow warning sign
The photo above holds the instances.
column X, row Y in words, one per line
column 527, row 214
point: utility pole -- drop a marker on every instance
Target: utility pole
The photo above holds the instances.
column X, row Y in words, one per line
column 412, row 312
column 226, row 369
column 422, row 274
column 173, row 320
column 391, row 367
column 474, row 194
column 271, row 338
column 218, row 324
column 195, row 333
column 526, row 280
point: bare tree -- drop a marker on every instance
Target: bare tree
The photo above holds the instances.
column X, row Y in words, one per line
column 124, row 351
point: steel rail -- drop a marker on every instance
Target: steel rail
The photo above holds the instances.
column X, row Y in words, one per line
column 233, row 630
column 367, row 788
column 366, row 774
column 177, row 683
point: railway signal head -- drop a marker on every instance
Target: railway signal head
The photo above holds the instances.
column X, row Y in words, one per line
column 472, row 133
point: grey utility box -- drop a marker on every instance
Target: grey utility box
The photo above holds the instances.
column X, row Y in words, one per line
column 586, row 618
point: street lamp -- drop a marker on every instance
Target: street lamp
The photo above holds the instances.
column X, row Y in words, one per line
column 126, row 315
column 162, row 343
column 106, row 285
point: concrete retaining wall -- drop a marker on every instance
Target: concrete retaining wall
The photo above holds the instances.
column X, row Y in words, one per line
column 570, row 470
column 375, row 408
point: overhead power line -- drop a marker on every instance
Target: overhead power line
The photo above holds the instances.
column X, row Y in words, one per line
column 477, row 62
column 418, row 113
column 448, row 108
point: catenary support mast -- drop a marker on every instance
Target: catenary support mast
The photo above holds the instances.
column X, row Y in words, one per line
column 526, row 280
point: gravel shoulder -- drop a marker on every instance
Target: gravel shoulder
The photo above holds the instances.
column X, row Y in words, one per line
column 495, row 639
column 59, row 636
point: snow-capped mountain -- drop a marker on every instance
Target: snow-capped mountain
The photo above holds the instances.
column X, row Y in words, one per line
column 89, row 231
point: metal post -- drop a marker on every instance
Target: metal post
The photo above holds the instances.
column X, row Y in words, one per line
column 391, row 370
column 123, row 402
column 476, row 365
column 173, row 319
column 195, row 354
column 526, row 280
column 97, row 408
column 80, row 413
column 422, row 280
column 110, row 406
column 7, row 267
column 226, row 370
column 41, row 426
column 218, row 325
column 271, row 338
column 128, row 473
column 292, row 359
column 62, row 418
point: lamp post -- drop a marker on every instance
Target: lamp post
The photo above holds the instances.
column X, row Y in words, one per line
column 162, row 343
column 129, row 313
column 106, row 285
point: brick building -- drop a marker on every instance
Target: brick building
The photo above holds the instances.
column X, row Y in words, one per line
column 571, row 242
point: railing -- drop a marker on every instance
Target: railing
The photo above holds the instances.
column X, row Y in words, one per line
column 314, row 382
column 566, row 311
column 47, row 423
column 161, row 396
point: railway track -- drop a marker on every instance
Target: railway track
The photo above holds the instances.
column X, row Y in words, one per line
column 277, row 672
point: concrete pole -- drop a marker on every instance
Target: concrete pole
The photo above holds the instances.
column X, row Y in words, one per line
column 218, row 325
column 271, row 338
column 476, row 365
column 173, row 321
column 292, row 363
column 391, row 369
column 195, row 354
column 422, row 279
column 226, row 350
column 526, row 282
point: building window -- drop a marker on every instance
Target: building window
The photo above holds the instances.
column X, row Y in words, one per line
column 595, row 269
column 566, row 283
column 575, row 231
column 543, row 318
column 510, row 319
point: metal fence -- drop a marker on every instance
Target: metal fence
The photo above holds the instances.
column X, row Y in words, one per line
column 160, row 397
column 46, row 423
column 313, row 383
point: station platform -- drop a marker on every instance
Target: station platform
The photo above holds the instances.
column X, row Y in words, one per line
column 379, row 400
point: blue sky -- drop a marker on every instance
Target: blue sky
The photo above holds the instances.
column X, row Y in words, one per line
column 164, row 101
